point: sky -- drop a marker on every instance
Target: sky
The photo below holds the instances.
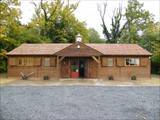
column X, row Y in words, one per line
column 87, row 11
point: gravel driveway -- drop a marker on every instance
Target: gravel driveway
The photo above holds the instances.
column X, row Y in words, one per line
column 79, row 103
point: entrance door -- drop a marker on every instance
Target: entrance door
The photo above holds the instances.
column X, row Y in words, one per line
column 79, row 67
column 65, row 68
column 82, row 65
column 75, row 68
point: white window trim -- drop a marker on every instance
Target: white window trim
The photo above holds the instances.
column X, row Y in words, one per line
column 138, row 63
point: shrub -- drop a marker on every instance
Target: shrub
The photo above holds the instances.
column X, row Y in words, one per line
column 74, row 68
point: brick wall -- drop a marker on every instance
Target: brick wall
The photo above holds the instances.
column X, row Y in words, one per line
column 117, row 71
column 122, row 72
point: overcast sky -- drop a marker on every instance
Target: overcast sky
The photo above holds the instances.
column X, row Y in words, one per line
column 87, row 11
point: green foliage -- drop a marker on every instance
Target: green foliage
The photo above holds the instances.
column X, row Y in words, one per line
column 8, row 29
column 94, row 36
column 31, row 35
column 56, row 21
column 74, row 68
column 137, row 20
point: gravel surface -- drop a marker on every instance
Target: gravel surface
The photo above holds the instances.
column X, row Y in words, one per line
column 79, row 103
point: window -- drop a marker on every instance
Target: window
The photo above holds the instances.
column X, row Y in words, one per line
column 46, row 62
column 53, row 61
column 28, row 61
column 12, row 61
column 20, row 62
column 110, row 62
column 107, row 61
column 132, row 62
column 25, row 61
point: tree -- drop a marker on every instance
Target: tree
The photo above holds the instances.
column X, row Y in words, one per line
column 137, row 20
column 9, row 25
column 114, row 34
column 57, row 22
column 94, row 36
column 151, row 41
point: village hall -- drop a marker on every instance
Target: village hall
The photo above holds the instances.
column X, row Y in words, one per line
column 79, row 60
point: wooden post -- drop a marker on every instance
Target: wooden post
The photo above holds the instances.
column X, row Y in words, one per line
column 99, row 65
column 58, row 70
column 97, row 60
column 61, row 58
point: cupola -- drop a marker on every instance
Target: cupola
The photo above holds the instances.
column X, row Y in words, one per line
column 78, row 38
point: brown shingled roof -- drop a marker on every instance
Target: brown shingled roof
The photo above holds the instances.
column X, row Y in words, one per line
column 120, row 49
column 106, row 49
column 37, row 49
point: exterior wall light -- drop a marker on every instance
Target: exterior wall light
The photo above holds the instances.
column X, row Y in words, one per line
column 78, row 46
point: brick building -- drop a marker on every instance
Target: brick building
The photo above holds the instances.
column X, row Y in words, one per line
column 79, row 60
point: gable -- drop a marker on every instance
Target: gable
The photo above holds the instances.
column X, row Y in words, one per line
column 78, row 49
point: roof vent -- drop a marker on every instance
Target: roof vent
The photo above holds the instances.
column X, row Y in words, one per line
column 78, row 38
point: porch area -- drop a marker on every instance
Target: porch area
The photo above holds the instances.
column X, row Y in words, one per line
column 78, row 61
column 79, row 67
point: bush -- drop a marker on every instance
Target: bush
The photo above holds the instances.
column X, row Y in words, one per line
column 3, row 65
column 74, row 68
column 133, row 77
column 155, row 68
column 111, row 78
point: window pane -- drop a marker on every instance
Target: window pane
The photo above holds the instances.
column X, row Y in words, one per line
column 127, row 62
column 19, row 61
column 29, row 61
column 132, row 61
column 46, row 62
column 137, row 61
column 110, row 61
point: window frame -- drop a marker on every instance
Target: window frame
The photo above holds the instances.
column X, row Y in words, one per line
column 107, row 59
column 22, row 62
column 49, row 62
column 130, row 60
column 12, row 61
column 53, row 59
column 25, row 61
